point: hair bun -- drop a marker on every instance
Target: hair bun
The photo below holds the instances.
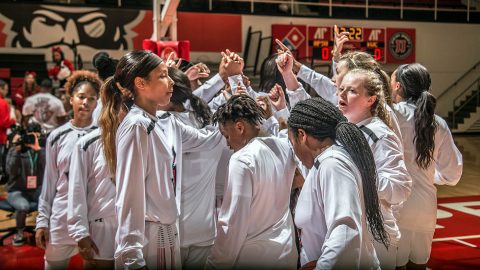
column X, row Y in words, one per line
column 101, row 60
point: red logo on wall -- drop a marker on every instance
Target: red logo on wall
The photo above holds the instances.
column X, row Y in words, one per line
column 401, row 45
column 293, row 36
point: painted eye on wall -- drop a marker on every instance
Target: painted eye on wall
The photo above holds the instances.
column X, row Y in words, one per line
column 95, row 29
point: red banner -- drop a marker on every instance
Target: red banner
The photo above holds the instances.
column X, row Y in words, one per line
column 293, row 36
column 401, row 45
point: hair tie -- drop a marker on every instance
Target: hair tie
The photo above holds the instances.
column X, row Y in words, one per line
column 125, row 93
column 339, row 124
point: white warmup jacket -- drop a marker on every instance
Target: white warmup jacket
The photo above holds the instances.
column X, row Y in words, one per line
column 331, row 215
column 255, row 228
column 394, row 183
column 53, row 201
column 419, row 212
column 91, row 191
column 149, row 165
column 197, row 207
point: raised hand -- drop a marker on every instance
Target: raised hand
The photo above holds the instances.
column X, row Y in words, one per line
column 197, row 71
column 339, row 41
column 233, row 63
column 284, row 62
column 277, row 97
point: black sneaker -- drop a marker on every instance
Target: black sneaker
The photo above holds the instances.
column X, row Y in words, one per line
column 18, row 240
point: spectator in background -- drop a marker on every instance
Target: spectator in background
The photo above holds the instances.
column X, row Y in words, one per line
column 25, row 164
column 62, row 68
column 44, row 108
column 28, row 88
column 5, row 122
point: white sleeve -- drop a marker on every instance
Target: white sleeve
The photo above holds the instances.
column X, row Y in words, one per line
column 49, row 186
column 199, row 140
column 297, row 95
column 132, row 156
column 322, row 84
column 217, row 102
column 338, row 188
column 77, row 210
column 234, row 80
column 271, row 126
column 232, row 225
column 449, row 163
column 210, row 88
column 394, row 182
column 283, row 113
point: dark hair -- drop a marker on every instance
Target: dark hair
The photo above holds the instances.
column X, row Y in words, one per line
column 2, row 83
column 81, row 77
column 182, row 92
column 363, row 60
column 46, row 83
column 321, row 119
column 416, row 82
column 241, row 107
column 118, row 91
column 270, row 75
column 104, row 64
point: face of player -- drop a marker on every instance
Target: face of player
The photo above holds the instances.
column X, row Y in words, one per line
column 158, row 87
column 299, row 147
column 341, row 71
column 84, row 101
column 353, row 98
column 233, row 133
column 396, row 88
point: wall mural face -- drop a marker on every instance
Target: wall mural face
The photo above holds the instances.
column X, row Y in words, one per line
column 45, row 26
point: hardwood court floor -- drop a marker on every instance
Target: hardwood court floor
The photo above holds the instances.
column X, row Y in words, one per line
column 469, row 184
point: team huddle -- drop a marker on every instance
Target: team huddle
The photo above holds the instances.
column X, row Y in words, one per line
column 217, row 175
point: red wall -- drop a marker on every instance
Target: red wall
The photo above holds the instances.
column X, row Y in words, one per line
column 210, row 32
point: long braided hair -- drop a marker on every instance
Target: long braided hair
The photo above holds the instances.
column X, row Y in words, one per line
column 237, row 108
column 321, row 119
column 416, row 83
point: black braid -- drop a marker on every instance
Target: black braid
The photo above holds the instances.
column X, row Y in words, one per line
column 319, row 118
column 240, row 107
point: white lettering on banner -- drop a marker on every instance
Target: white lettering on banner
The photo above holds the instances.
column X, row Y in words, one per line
column 374, row 34
column 320, row 33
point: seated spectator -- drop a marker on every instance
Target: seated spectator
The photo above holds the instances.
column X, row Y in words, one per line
column 44, row 108
column 25, row 164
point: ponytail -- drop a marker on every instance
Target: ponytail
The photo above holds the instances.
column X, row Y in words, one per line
column 321, row 120
column 415, row 82
column 425, row 128
column 112, row 101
